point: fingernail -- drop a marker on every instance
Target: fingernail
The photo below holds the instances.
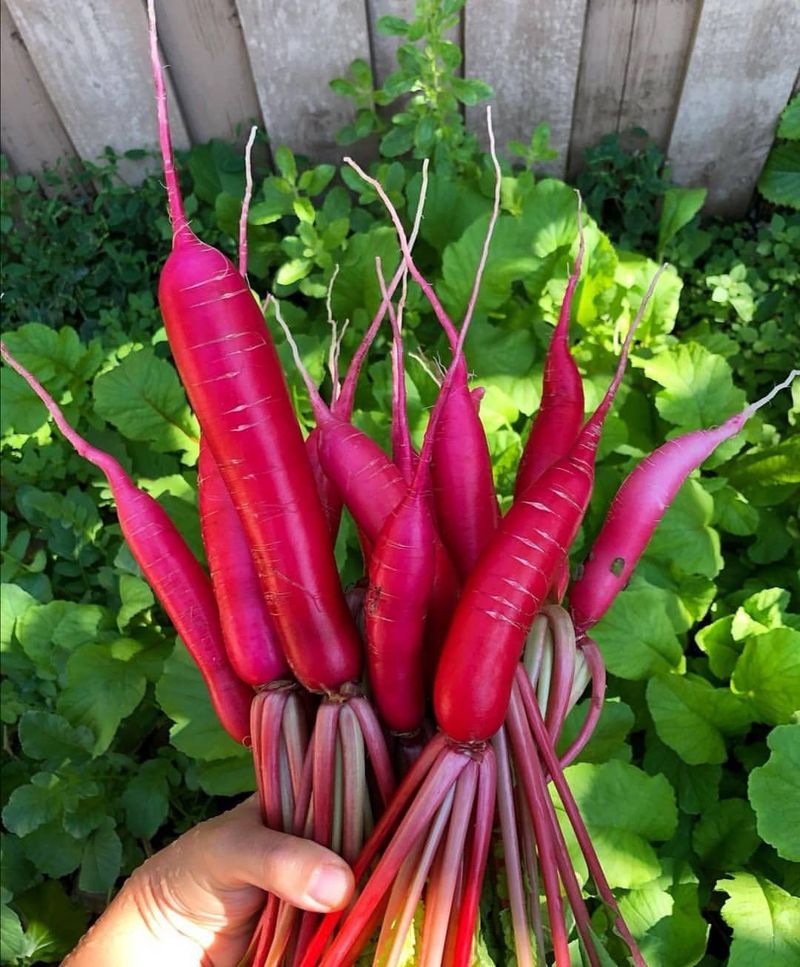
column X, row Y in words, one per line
column 329, row 885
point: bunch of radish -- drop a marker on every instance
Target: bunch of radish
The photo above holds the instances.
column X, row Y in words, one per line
column 459, row 676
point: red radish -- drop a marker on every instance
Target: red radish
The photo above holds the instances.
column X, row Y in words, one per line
column 560, row 416
column 250, row 638
column 466, row 505
column 637, row 508
column 372, row 488
column 510, row 582
column 235, row 384
column 174, row 574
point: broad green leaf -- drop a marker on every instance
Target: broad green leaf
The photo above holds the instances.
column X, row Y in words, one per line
column 18, row 873
column 760, row 612
column 356, row 294
column 684, row 535
column 144, row 400
column 625, row 810
column 774, row 791
column 227, row 777
column 698, row 389
column 33, row 805
column 182, row 694
column 686, row 597
column 693, row 718
column 765, row 921
column 733, row 514
column 697, row 787
column 770, row 467
column 767, row 675
column 102, row 858
column 633, row 274
column 101, row 691
column 789, row 126
column 44, row 735
column 146, row 798
column 450, row 208
column 56, row 357
column 511, row 257
column 636, row 636
column 14, row 601
column 608, row 737
column 49, row 633
column 550, row 217
column 666, row 921
column 52, row 850
column 54, row 922
column 780, row 180
column 680, row 205
column 12, row 937
column 725, row 836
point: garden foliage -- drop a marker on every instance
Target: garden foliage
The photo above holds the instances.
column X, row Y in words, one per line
column 110, row 748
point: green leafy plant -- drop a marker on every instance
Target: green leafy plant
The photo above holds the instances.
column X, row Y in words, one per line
column 427, row 84
column 110, row 747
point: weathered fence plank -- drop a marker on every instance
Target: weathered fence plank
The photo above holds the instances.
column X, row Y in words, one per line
column 31, row 132
column 601, row 80
column 660, row 43
column 529, row 51
column 203, row 44
column 94, row 62
column 740, row 75
column 295, row 50
column 383, row 47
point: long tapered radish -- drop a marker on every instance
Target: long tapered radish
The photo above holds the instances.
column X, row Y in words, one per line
column 639, row 505
column 173, row 572
column 560, row 414
column 511, row 580
column 234, row 381
column 466, row 504
column 251, row 641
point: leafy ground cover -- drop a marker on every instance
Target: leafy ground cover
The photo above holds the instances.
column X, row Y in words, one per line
column 110, row 748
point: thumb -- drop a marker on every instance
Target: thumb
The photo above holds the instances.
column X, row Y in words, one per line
column 297, row 870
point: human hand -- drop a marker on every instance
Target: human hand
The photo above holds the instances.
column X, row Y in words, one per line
column 198, row 900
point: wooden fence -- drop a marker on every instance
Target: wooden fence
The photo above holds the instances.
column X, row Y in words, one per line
column 706, row 78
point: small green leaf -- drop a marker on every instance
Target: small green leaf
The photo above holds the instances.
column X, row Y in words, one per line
column 684, row 535
column 679, row 208
column 789, row 127
column 292, row 271
column 285, row 163
column 136, row 597
column 52, row 850
column 693, row 718
column 765, row 921
column 304, row 210
column 774, row 791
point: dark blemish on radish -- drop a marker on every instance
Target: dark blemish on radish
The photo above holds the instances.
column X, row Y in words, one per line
column 617, row 566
